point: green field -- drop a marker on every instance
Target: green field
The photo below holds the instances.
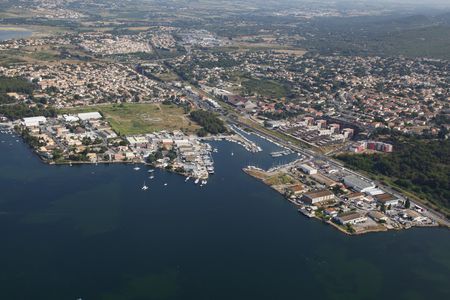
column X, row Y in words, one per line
column 265, row 87
column 135, row 118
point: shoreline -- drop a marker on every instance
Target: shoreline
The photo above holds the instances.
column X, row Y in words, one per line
column 259, row 174
column 252, row 171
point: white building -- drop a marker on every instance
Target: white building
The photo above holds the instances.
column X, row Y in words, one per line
column 70, row 118
column 308, row 169
column 89, row 116
column 34, row 121
column 358, row 184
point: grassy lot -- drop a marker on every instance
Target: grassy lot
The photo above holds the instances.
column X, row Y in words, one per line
column 135, row 118
column 263, row 87
column 280, row 179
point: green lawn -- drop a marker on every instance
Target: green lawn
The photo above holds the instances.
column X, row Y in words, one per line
column 135, row 118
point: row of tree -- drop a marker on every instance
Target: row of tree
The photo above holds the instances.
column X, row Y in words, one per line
column 18, row 111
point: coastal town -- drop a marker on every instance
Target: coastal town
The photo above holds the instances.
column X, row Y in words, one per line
column 127, row 96
column 239, row 149
column 344, row 199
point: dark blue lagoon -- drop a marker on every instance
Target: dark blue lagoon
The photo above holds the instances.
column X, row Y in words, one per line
column 90, row 232
column 13, row 34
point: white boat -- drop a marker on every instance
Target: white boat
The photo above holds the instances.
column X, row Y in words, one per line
column 151, row 177
column 187, row 178
column 151, row 171
column 196, row 181
column 165, row 184
column 204, row 182
column 144, row 187
column 136, row 168
column 232, row 153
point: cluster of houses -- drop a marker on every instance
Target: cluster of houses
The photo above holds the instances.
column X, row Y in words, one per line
column 164, row 41
column 81, row 84
column 15, row 44
column 399, row 93
column 83, row 137
column 88, row 138
column 350, row 201
column 315, row 131
column 107, row 44
column 200, row 38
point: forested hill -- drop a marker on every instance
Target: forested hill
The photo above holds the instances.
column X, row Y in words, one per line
column 419, row 166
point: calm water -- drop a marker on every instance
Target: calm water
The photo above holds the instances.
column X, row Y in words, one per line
column 89, row 232
column 13, row 34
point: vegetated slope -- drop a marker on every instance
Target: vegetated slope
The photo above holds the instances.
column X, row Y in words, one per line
column 419, row 166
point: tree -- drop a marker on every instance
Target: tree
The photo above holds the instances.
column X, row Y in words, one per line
column 202, row 132
column 209, row 121
column 350, row 228
column 407, row 203
column 57, row 154
column 172, row 154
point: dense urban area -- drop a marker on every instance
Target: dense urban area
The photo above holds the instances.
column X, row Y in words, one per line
column 111, row 82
